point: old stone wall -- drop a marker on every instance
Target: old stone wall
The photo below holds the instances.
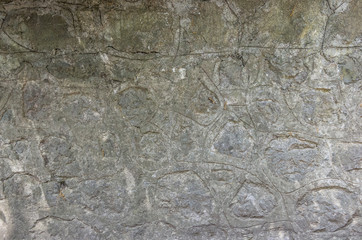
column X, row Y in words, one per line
column 180, row 119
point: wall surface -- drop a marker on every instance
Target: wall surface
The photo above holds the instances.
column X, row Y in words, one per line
column 181, row 119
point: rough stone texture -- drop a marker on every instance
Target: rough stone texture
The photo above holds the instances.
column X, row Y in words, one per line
column 181, row 119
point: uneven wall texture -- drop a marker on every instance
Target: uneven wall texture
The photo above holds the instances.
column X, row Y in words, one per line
column 181, row 119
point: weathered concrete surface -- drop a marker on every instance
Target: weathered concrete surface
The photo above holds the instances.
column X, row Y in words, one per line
column 181, row 119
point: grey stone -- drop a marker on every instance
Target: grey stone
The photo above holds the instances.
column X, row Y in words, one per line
column 253, row 201
column 38, row 31
column 182, row 198
column 326, row 209
column 168, row 119
column 140, row 30
column 234, row 141
column 137, row 105
column 292, row 159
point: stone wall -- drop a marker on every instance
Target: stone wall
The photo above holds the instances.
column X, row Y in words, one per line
column 180, row 119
